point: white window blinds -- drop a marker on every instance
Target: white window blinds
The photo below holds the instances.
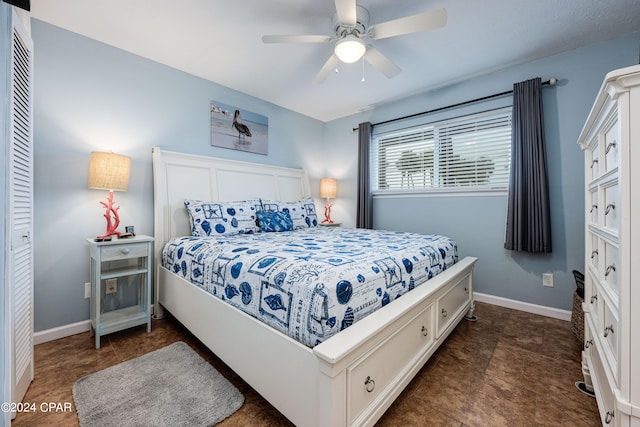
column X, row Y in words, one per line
column 472, row 153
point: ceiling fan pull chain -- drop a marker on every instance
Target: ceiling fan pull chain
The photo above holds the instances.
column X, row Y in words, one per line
column 363, row 69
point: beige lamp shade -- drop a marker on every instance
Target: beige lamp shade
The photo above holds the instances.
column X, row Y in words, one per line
column 109, row 171
column 328, row 188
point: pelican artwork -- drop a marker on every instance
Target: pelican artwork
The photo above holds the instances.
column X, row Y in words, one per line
column 243, row 130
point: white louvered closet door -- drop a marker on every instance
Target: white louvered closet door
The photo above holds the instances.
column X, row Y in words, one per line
column 20, row 212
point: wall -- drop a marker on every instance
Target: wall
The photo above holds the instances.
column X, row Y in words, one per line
column 93, row 97
column 478, row 223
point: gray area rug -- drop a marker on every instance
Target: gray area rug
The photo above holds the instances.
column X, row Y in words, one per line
column 172, row 386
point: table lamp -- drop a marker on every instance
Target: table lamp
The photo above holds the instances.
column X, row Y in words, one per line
column 328, row 189
column 109, row 171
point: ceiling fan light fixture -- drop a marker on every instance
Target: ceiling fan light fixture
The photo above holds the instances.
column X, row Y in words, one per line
column 350, row 49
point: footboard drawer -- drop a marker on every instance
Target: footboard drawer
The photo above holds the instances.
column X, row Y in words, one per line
column 370, row 376
column 451, row 303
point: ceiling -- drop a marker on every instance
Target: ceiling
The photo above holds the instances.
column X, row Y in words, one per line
column 221, row 41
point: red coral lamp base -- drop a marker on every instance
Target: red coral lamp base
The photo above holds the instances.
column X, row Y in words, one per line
column 112, row 217
column 327, row 213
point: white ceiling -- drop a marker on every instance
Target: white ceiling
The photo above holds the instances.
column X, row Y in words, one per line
column 220, row 40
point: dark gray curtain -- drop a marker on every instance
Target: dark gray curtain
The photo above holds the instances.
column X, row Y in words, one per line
column 363, row 210
column 528, row 214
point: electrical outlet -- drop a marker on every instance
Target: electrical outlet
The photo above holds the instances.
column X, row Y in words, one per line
column 112, row 286
column 547, row 280
column 87, row 290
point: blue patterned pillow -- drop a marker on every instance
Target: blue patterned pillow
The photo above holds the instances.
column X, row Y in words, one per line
column 214, row 218
column 274, row 221
column 303, row 213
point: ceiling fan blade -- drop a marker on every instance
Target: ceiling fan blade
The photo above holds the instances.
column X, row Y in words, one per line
column 295, row 39
column 328, row 66
column 381, row 63
column 346, row 11
column 410, row 24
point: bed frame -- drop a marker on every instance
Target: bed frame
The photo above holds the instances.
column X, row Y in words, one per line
column 351, row 378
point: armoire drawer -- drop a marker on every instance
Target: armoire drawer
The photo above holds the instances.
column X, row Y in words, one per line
column 610, row 334
column 604, row 390
column 592, row 207
column 611, row 273
column 593, row 169
column 612, row 207
column 611, row 145
column 369, row 376
column 592, row 297
column 594, row 256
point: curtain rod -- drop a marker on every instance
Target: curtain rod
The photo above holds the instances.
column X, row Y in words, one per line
column 551, row 82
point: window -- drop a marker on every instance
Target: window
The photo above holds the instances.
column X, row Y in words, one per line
column 469, row 153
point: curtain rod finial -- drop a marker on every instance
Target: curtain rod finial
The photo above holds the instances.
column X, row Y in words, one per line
column 553, row 81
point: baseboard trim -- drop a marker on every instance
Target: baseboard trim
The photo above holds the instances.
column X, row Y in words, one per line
column 61, row 332
column 64, row 331
column 555, row 313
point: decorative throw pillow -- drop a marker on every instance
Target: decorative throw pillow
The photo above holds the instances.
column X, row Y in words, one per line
column 273, row 221
column 303, row 213
column 213, row 218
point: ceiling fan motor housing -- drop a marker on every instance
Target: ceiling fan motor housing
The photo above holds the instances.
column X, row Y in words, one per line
column 358, row 30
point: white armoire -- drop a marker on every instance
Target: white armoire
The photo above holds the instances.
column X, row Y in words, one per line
column 611, row 143
column 17, row 198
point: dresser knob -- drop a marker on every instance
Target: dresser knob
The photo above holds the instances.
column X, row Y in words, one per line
column 594, row 298
column 588, row 343
column 594, row 162
column 609, row 269
column 608, row 330
column 424, row 330
column 594, row 253
column 369, row 384
column 593, row 207
column 609, row 417
column 609, row 147
column 444, row 313
column 609, row 207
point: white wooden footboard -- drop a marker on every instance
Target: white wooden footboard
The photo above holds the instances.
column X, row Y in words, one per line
column 350, row 379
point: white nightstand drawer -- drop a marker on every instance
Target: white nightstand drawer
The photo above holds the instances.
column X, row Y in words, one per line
column 124, row 251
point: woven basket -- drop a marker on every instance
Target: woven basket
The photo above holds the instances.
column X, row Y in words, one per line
column 577, row 318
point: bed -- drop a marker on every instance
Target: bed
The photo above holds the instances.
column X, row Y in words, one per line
column 349, row 378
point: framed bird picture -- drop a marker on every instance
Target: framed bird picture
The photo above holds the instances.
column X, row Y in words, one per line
column 238, row 129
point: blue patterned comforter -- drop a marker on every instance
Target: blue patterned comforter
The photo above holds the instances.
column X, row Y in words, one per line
column 310, row 283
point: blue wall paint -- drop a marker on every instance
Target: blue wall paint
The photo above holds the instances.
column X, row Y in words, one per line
column 92, row 97
column 478, row 222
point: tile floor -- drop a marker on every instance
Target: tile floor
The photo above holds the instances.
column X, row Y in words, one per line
column 509, row 368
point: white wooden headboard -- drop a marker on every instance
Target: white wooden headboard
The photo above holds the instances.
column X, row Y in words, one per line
column 179, row 176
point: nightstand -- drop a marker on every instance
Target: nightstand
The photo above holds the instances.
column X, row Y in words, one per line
column 127, row 262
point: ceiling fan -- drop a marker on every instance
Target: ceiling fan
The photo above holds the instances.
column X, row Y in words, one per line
column 353, row 36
